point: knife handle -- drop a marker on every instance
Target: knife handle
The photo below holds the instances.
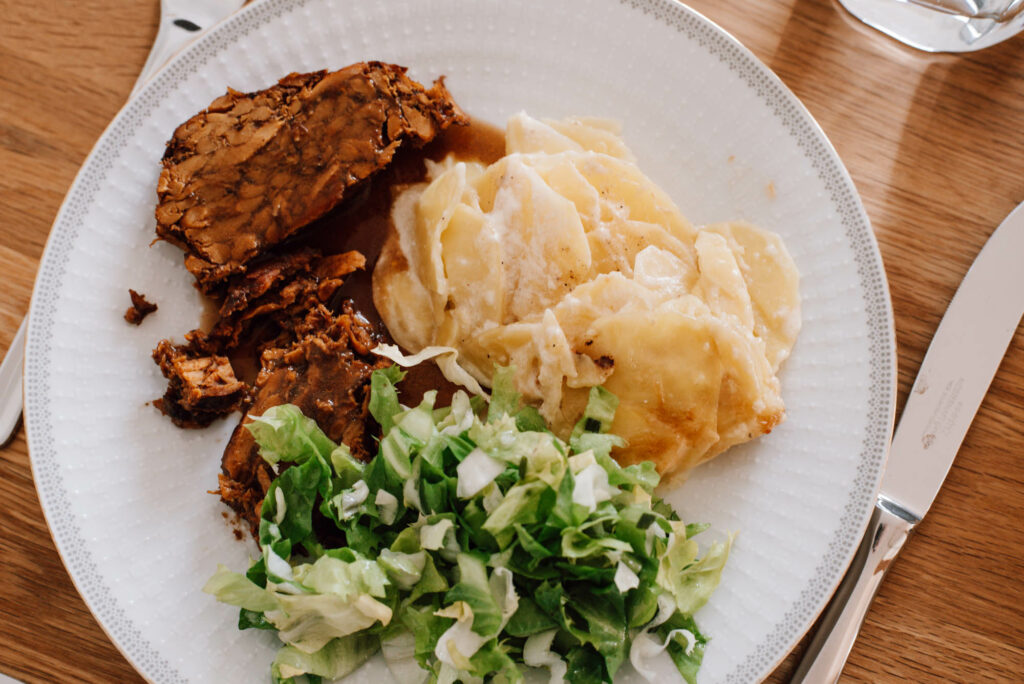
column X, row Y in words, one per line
column 888, row 529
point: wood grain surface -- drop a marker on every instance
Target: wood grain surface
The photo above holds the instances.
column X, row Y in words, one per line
column 935, row 145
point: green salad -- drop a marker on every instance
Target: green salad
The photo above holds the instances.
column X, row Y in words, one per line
column 475, row 543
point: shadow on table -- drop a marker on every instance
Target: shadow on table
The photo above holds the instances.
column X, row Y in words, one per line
column 958, row 171
column 817, row 31
column 956, row 156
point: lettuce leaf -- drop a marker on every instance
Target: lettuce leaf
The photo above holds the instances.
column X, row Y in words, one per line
column 287, row 512
column 506, row 401
column 692, row 581
column 591, row 431
column 399, row 649
column 309, row 621
column 336, row 659
column 237, row 590
column 283, row 433
column 384, row 404
column 474, row 589
column 504, row 397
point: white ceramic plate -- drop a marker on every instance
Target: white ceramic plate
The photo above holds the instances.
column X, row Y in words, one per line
column 124, row 491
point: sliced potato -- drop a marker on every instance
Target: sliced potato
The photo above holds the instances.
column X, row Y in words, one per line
column 564, row 260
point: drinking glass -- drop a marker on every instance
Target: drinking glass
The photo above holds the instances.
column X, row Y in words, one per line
column 942, row 25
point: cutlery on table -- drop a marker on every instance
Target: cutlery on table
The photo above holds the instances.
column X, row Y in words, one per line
column 954, row 377
column 181, row 22
column 10, row 384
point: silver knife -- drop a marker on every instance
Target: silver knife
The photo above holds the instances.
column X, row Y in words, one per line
column 181, row 23
column 962, row 360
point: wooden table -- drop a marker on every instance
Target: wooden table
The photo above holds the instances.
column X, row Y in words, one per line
column 935, row 145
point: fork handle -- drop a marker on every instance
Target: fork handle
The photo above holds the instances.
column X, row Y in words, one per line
column 10, row 385
column 173, row 34
column 826, row 655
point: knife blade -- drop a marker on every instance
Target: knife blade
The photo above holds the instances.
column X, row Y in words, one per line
column 958, row 368
column 956, row 372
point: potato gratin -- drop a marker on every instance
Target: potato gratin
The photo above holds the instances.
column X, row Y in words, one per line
column 564, row 260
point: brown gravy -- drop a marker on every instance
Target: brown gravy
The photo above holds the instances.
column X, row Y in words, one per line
column 362, row 223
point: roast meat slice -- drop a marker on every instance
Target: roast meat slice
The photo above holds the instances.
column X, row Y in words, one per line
column 253, row 168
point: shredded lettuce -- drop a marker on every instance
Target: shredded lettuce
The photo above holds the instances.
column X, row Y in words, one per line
column 475, row 543
column 237, row 590
column 285, row 434
column 336, row 659
column 399, row 649
column 476, row 472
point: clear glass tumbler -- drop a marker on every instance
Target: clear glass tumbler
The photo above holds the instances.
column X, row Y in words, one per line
column 942, row 25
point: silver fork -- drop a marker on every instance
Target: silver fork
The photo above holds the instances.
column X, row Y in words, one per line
column 181, row 22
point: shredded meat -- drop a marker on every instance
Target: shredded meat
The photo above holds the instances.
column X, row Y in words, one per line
column 274, row 304
column 200, row 388
column 139, row 309
column 264, row 307
column 327, row 375
column 253, row 168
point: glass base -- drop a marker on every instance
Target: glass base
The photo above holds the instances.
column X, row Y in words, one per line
column 932, row 30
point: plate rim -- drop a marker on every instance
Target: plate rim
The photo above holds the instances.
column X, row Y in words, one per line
column 792, row 114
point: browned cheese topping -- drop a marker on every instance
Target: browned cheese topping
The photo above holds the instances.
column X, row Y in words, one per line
column 253, row 168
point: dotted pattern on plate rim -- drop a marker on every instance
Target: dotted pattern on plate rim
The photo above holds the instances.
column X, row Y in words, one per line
column 758, row 77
